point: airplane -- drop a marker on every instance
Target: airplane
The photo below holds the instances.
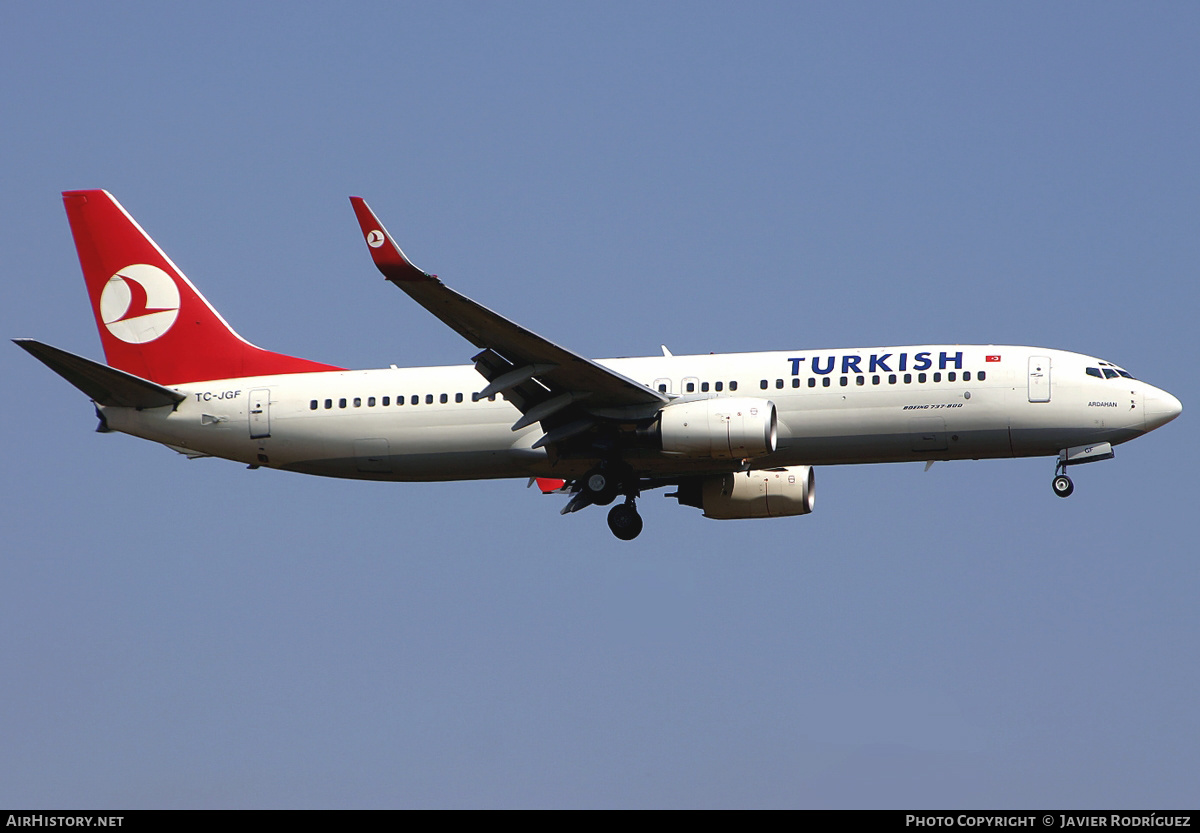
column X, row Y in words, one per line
column 737, row 435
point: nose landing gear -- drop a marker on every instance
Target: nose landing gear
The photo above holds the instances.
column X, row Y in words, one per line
column 1094, row 453
column 1062, row 485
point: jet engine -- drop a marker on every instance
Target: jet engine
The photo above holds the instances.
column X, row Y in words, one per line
column 763, row 493
column 724, row 428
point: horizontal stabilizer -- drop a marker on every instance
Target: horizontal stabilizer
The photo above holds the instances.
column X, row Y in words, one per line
column 105, row 385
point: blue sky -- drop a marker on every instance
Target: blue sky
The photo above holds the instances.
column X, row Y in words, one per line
column 614, row 176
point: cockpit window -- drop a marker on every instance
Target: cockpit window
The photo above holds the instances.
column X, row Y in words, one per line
column 1106, row 370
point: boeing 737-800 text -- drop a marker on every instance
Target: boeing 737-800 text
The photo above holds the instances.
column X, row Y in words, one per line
column 737, row 434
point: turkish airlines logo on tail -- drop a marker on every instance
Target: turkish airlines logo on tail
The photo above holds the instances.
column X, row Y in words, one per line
column 139, row 303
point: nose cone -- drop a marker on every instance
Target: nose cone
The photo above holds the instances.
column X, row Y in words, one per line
column 1160, row 408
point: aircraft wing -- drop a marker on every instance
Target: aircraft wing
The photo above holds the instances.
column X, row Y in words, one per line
column 541, row 378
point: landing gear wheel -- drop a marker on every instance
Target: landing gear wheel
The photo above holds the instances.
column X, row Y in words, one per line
column 1063, row 486
column 601, row 487
column 625, row 522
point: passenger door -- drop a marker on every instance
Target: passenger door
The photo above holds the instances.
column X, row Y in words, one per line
column 1039, row 378
column 260, row 413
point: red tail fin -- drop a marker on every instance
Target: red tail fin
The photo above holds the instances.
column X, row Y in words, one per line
column 152, row 321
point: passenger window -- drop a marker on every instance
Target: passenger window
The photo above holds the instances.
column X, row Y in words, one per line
column 328, row 403
column 691, row 387
column 908, row 378
column 719, row 386
column 982, row 375
column 763, row 384
column 966, row 375
column 370, row 401
column 312, row 406
column 860, row 380
column 921, row 377
column 874, row 380
column 845, row 381
column 341, row 403
column 662, row 388
column 492, row 398
column 443, row 399
column 358, row 402
column 733, row 385
column 458, row 397
column 704, row 387
column 778, row 384
column 812, row 381
column 387, row 400
column 937, row 377
column 892, row 379
column 429, row 399
column 825, row 381
column 951, row 376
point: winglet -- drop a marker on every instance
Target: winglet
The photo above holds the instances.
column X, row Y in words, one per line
column 388, row 257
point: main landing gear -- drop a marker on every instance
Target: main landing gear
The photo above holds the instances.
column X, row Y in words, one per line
column 624, row 520
column 601, row 486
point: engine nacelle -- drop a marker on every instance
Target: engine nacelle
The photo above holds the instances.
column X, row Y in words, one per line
column 725, row 428
column 764, row 493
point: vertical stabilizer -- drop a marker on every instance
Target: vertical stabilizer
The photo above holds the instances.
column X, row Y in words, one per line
column 153, row 323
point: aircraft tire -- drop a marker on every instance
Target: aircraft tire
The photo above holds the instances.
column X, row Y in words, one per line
column 1063, row 487
column 625, row 522
column 601, row 487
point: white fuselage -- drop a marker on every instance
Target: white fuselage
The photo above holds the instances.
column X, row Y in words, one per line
column 859, row 405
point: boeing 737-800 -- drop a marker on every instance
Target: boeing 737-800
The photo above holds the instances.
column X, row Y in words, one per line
column 736, row 435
